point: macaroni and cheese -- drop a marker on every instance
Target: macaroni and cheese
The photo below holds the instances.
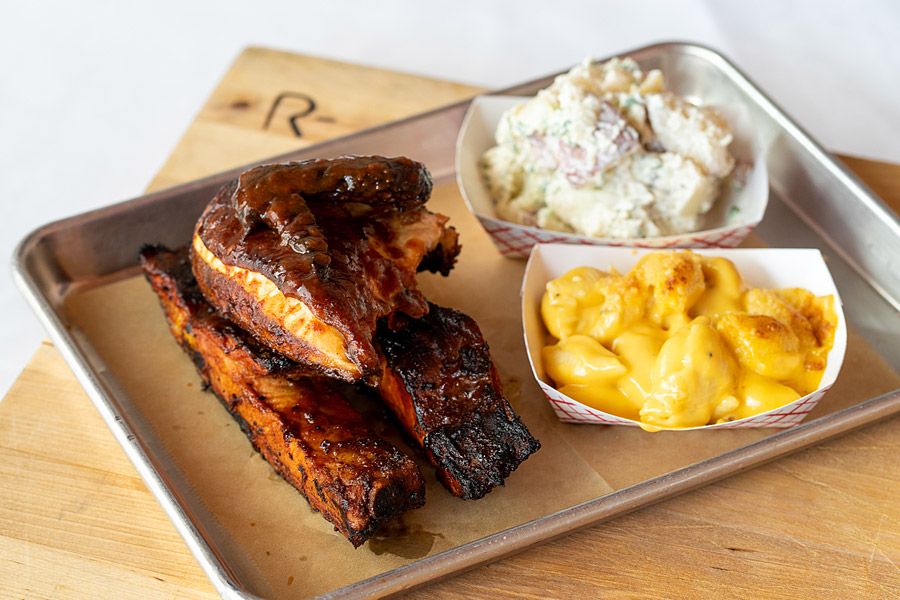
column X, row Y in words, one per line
column 681, row 341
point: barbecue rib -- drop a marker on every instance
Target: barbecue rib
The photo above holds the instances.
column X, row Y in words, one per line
column 309, row 256
column 441, row 384
column 303, row 427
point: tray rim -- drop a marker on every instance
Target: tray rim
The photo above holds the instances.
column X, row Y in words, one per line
column 516, row 539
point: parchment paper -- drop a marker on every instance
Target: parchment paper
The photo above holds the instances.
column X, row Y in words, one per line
column 267, row 533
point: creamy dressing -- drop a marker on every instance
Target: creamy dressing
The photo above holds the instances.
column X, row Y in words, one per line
column 604, row 151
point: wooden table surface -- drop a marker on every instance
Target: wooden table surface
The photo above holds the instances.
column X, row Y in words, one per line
column 77, row 522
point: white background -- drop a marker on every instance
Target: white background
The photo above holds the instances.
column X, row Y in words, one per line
column 94, row 95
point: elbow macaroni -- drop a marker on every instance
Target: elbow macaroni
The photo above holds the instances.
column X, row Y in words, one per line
column 681, row 341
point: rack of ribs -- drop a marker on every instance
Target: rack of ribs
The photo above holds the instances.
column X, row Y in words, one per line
column 300, row 424
column 442, row 386
column 301, row 275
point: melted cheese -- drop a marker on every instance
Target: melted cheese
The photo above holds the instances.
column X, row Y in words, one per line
column 681, row 341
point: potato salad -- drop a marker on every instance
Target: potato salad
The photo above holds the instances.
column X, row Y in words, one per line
column 605, row 151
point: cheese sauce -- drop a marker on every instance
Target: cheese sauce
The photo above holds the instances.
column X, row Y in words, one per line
column 681, row 341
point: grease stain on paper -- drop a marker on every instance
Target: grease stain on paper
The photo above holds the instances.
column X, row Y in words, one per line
column 403, row 540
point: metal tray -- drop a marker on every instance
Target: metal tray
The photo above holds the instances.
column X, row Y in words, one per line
column 815, row 202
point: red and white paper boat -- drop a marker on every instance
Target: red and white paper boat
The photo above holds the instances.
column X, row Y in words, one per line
column 762, row 268
column 737, row 211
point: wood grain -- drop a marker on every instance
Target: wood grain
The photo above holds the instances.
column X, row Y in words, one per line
column 77, row 522
column 266, row 94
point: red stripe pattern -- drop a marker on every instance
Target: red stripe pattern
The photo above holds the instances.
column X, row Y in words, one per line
column 571, row 411
column 515, row 241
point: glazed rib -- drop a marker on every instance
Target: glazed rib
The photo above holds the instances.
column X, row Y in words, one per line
column 444, row 389
column 302, row 426
column 278, row 195
column 309, row 256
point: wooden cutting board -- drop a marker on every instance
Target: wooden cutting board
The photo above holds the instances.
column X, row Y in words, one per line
column 77, row 522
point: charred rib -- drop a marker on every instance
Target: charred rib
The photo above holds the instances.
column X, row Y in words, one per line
column 444, row 389
column 303, row 427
